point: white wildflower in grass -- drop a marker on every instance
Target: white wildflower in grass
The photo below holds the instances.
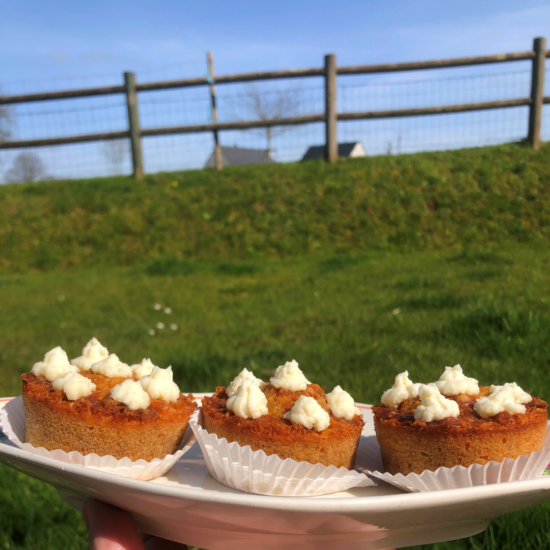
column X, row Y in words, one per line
column 151, row 332
column 157, row 307
column 396, row 311
column 167, row 310
column 61, row 298
column 173, row 326
column 160, row 326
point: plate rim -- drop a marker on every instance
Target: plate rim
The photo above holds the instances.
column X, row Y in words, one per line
column 304, row 504
column 380, row 504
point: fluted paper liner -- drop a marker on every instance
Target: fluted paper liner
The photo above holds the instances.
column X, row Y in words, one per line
column 524, row 467
column 254, row 472
column 12, row 422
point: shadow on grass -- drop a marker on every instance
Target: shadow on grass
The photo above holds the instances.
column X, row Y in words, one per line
column 237, row 269
column 412, row 283
column 476, row 256
column 174, row 266
column 338, row 263
column 170, row 266
column 482, row 275
column 441, row 300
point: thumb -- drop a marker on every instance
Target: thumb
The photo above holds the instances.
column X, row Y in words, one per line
column 110, row 528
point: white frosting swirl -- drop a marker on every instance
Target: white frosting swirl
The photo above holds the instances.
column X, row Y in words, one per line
column 132, row 394
column 142, row 369
column 307, row 412
column 74, row 385
column 434, row 405
column 289, row 377
column 55, row 364
column 453, row 382
column 112, row 367
column 248, row 401
column 160, row 385
column 402, row 390
column 245, row 373
column 92, row 353
column 341, row 404
column 509, row 398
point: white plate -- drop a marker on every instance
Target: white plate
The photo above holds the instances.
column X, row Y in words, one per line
column 189, row 506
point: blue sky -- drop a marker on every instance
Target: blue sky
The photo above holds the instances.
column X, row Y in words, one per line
column 58, row 39
column 58, row 45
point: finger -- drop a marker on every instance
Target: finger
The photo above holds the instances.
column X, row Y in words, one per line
column 110, row 528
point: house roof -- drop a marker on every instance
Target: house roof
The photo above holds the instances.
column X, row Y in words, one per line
column 318, row 151
column 237, row 156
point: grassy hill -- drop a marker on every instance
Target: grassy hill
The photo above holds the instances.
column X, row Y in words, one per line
column 410, row 202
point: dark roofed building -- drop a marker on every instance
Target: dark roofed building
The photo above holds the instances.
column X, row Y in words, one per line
column 345, row 150
column 237, row 156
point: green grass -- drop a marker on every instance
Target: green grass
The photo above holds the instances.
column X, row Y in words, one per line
column 350, row 320
column 358, row 271
column 411, row 202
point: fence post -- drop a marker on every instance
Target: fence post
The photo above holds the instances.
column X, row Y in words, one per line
column 133, row 123
column 331, row 123
column 217, row 148
column 537, row 92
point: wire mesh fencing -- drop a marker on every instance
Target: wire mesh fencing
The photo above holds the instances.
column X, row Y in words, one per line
column 268, row 101
column 435, row 132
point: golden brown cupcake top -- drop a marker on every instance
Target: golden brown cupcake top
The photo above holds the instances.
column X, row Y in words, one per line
column 112, row 391
column 288, row 403
column 467, row 418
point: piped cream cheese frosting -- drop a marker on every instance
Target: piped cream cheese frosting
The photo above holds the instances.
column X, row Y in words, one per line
column 74, row 385
column 308, row 413
column 142, row 369
column 341, row 404
column 160, row 385
column 112, row 367
column 132, row 394
column 55, row 364
column 509, row 398
column 289, row 377
column 237, row 381
column 453, row 382
column 92, row 353
column 402, row 390
column 248, row 401
column 434, row 405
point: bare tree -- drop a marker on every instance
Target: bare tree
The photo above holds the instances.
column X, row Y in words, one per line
column 26, row 166
column 272, row 105
column 115, row 151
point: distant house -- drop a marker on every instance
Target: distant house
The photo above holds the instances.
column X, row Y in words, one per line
column 345, row 150
column 237, row 156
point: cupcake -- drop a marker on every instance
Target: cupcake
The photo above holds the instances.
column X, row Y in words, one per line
column 455, row 422
column 98, row 404
column 289, row 417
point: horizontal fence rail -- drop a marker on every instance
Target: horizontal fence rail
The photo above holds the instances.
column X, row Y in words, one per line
column 293, row 121
column 272, row 75
column 330, row 117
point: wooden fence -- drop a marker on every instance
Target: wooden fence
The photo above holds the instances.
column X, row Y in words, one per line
column 330, row 117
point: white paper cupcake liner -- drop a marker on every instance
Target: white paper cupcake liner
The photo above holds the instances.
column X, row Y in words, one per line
column 254, row 472
column 369, row 461
column 12, row 422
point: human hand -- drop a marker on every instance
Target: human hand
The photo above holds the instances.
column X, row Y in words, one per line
column 110, row 528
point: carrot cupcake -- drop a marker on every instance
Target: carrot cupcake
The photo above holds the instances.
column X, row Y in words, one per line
column 455, row 422
column 289, row 417
column 98, row 404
